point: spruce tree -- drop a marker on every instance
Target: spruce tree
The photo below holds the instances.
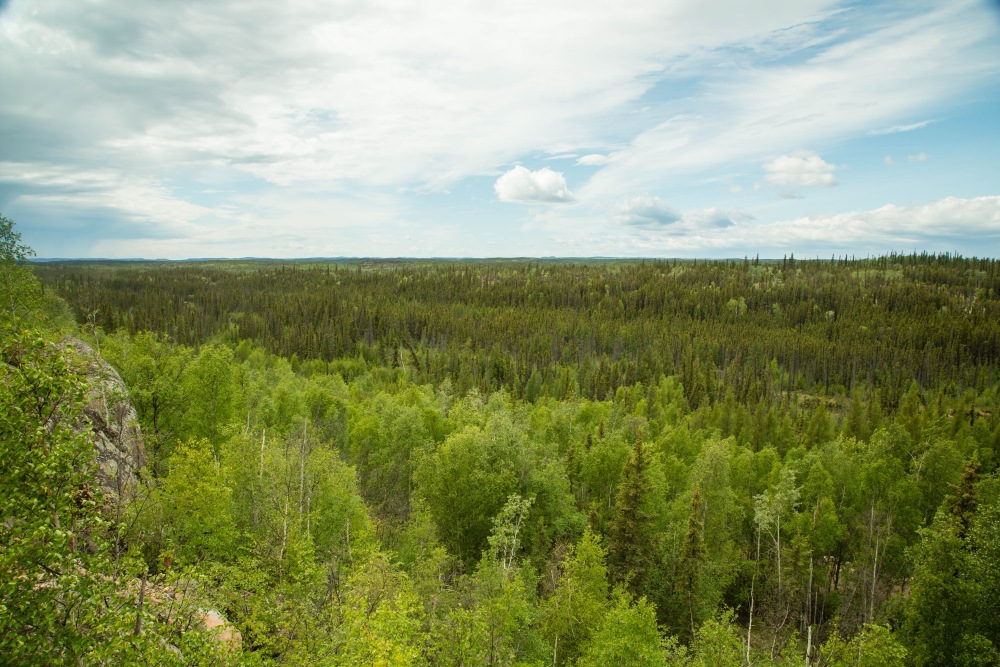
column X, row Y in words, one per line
column 962, row 502
column 630, row 552
column 692, row 560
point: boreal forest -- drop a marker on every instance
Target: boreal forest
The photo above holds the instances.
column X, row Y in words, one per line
column 462, row 463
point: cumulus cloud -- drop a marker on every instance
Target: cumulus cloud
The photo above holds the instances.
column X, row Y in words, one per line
column 644, row 211
column 919, row 157
column 800, row 169
column 523, row 186
column 593, row 160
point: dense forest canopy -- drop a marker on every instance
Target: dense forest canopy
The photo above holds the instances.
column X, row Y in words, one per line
column 523, row 463
column 840, row 323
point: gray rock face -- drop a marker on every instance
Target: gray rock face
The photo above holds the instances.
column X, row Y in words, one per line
column 115, row 424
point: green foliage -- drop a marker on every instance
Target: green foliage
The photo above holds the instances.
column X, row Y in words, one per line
column 44, row 467
column 576, row 608
column 543, row 328
column 425, row 477
column 19, row 289
column 628, row 636
column 951, row 612
column 874, row 646
column 692, row 560
column 503, row 614
column 380, row 624
column 630, row 550
column 717, row 642
column 193, row 508
column 67, row 593
column 467, row 481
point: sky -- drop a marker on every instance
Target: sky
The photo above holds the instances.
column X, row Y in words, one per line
column 440, row 128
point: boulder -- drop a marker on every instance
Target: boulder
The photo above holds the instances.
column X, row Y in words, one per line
column 114, row 422
column 226, row 633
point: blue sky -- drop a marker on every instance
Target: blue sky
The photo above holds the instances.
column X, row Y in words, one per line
column 677, row 128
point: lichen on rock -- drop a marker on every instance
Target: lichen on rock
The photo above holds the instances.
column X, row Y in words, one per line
column 120, row 455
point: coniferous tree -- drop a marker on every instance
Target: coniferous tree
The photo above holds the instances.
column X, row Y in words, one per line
column 692, row 560
column 630, row 548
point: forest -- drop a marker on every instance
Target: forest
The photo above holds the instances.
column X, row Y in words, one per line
column 517, row 463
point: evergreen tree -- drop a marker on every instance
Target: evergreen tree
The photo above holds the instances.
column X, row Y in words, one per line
column 630, row 549
column 962, row 501
column 692, row 560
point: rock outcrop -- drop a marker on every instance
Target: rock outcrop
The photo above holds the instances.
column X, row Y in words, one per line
column 227, row 633
column 115, row 423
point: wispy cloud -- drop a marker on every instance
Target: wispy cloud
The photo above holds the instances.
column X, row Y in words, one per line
column 901, row 128
column 846, row 87
column 594, row 160
column 256, row 125
column 147, row 207
column 919, row 157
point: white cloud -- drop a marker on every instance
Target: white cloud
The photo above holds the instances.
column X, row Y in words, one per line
column 889, row 161
column 892, row 227
column 655, row 214
column 970, row 226
column 800, row 169
column 355, row 106
column 716, row 218
column 941, row 225
column 395, row 92
column 919, row 157
column 751, row 110
column 643, row 211
column 532, row 187
column 902, row 128
column 736, row 188
column 114, row 194
column 594, row 159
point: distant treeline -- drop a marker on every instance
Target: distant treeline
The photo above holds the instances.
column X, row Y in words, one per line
column 760, row 329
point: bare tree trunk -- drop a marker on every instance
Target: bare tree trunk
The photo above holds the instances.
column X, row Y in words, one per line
column 263, row 439
column 778, row 538
column 348, row 530
column 138, row 614
column 260, row 481
column 302, row 469
column 284, row 537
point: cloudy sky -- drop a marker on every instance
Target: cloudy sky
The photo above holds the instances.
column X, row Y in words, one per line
column 672, row 128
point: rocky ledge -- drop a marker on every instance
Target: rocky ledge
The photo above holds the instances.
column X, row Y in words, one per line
column 111, row 415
